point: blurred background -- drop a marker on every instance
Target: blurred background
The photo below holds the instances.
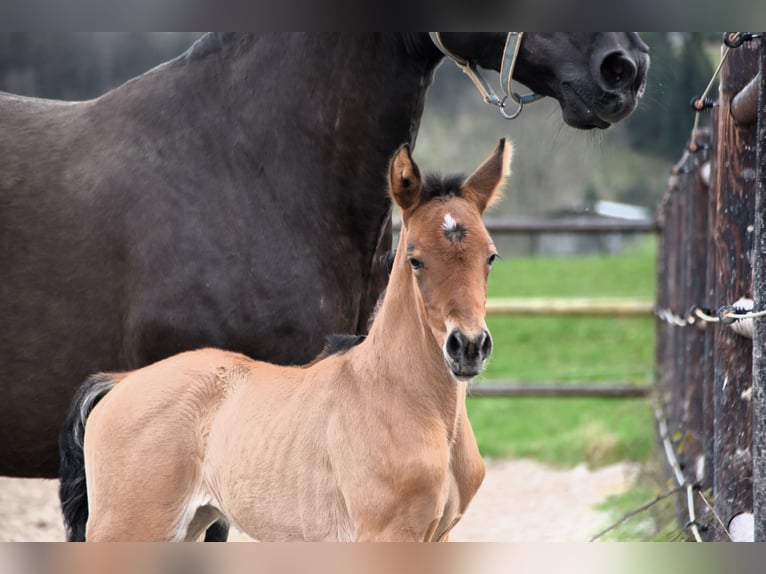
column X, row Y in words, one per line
column 557, row 171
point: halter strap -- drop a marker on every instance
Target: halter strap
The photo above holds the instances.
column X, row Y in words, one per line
column 508, row 63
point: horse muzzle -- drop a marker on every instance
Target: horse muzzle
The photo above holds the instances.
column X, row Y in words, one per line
column 466, row 355
column 611, row 94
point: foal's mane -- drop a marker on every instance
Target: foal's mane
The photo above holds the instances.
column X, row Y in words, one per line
column 444, row 187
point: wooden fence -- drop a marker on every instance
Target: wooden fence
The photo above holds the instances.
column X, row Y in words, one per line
column 712, row 246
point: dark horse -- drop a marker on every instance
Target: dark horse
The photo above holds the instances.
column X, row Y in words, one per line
column 232, row 197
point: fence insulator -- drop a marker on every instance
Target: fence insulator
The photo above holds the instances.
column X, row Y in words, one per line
column 736, row 39
column 701, row 104
column 744, row 326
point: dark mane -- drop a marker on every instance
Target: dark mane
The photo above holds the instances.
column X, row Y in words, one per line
column 338, row 344
column 436, row 185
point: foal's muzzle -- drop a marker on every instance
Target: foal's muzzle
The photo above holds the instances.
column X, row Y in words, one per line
column 466, row 356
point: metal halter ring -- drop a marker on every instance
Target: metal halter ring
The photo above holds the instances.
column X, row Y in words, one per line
column 515, row 114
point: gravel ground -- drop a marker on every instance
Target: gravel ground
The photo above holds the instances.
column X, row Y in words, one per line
column 520, row 501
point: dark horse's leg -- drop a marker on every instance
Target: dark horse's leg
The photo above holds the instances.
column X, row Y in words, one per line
column 217, row 532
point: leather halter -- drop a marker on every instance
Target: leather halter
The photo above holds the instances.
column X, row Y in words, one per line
column 510, row 55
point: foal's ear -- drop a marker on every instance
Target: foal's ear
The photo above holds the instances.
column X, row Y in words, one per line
column 484, row 187
column 404, row 180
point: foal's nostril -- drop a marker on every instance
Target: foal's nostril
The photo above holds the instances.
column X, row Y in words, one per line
column 486, row 344
column 464, row 350
column 618, row 71
column 455, row 345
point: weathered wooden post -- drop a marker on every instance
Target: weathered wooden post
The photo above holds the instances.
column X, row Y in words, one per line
column 710, row 331
column 671, row 293
column 696, row 457
column 759, row 335
column 667, row 257
column 733, row 240
column 675, row 275
column 662, row 328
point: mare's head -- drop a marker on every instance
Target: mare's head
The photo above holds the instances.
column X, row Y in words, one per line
column 597, row 77
column 449, row 252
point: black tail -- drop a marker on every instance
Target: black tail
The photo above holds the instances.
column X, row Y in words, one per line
column 72, row 491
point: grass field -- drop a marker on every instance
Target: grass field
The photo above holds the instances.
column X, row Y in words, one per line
column 568, row 431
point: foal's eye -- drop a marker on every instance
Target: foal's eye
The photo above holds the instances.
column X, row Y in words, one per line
column 491, row 259
column 416, row 263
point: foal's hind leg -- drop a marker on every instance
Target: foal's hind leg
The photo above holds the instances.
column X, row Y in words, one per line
column 155, row 495
column 151, row 518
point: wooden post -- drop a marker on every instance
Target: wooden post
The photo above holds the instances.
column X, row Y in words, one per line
column 662, row 328
column 668, row 298
column 694, row 457
column 732, row 240
column 759, row 336
column 708, row 361
column 678, row 301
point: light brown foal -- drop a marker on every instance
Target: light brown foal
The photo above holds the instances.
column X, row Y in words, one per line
column 370, row 443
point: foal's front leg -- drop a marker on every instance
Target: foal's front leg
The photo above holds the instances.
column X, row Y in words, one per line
column 409, row 519
column 397, row 531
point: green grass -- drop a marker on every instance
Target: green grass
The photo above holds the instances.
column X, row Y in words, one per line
column 571, row 349
column 628, row 274
column 567, row 431
column 646, row 511
column 563, row 431
column 646, row 516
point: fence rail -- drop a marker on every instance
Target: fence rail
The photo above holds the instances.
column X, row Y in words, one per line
column 581, row 224
column 575, row 307
column 579, row 390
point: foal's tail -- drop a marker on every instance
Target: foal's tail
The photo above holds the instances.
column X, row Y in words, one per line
column 72, row 490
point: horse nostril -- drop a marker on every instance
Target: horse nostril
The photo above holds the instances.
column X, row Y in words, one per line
column 618, row 71
column 486, row 345
column 455, row 345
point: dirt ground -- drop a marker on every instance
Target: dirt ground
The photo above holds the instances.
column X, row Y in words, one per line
column 519, row 501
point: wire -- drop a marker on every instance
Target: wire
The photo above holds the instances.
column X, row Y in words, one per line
column 670, row 455
column 697, row 110
column 739, row 316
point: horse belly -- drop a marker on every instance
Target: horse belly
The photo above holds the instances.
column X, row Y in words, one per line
column 268, row 463
column 280, row 507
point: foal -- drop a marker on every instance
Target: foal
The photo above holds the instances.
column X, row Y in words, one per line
column 371, row 443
